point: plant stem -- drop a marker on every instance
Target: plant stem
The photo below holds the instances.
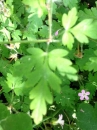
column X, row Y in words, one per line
column 26, row 41
column 67, row 117
column 49, row 8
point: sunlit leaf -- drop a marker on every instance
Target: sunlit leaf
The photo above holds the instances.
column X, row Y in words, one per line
column 39, row 5
column 62, row 64
column 68, row 40
column 69, row 20
column 40, row 95
column 85, row 29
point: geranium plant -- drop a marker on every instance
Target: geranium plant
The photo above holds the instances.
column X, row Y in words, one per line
column 48, row 65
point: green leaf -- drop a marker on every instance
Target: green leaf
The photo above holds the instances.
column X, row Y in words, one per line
column 41, row 94
column 9, row 1
column 91, row 65
column 66, row 97
column 16, row 34
column 4, row 113
column 67, row 39
column 70, row 3
column 1, row 128
column 69, row 20
column 87, row 54
column 35, row 51
column 42, row 31
column 15, row 83
column 5, row 32
column 58, row 53
column 92, row 84
column 91, row 87
column 36, row 76
column 29, row 35
column 85, row 28
column 86, row 117
column 38, row 55
column 34, row 23
column 63, row 65
column 88, row 14
column 20, row 121
column 10, row 26
column 38, row 5
column 40, row 80
column 54, row 81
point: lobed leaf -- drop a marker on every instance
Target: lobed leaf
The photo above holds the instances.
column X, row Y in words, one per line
column 40, row 95
column 68, row 40
column 63, row 65
column 88, row 14
column 69, row 20
column 70, row 3
column 84, row 29
column 67, row 97
column 37, row 4
column 15, row 83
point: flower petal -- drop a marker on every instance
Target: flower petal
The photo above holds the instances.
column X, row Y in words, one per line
column 86, row 97
column 83, row 91
column 82, row 98
column 80, row 94
column 87, row 93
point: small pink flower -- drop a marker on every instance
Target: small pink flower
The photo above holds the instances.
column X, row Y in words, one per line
column 84, row 95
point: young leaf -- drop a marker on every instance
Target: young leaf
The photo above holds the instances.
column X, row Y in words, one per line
column 68, row 40
column 69, row 20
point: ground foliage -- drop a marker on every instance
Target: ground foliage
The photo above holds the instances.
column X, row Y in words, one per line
column 47, row 56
